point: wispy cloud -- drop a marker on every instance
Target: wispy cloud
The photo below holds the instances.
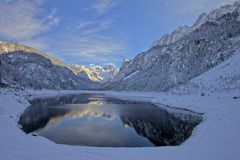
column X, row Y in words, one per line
column 103, row 6
column 99, row 47
column 93, row 27
column 51, row 19
column 88, row 41
column 25, row 21
column 19, row 19
column 93, row 48
column 84, row 24
column 194, row 7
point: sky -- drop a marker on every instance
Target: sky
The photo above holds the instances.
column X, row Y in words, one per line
column 96, row 31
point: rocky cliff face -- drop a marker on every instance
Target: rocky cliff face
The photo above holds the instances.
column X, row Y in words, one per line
column 104, row 73
column 184, row 54
column 25, row 67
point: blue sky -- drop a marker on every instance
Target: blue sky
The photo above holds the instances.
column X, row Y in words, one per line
column 96, row 31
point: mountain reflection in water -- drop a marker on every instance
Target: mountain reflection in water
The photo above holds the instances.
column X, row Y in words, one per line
column 95, row 120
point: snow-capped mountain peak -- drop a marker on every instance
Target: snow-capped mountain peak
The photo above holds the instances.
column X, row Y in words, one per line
column 203, row 18
column 99, row 73
column 184, row 54
column 170, row 38
column 26, row 67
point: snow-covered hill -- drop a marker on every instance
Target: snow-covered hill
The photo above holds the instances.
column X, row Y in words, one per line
column 23, row 66
column 6, row 47
column 185, row 54
column 224, row 77
column 104, row 73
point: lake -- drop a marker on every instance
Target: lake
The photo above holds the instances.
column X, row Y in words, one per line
column 97, row 120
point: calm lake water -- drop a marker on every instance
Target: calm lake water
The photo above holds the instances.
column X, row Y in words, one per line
column 95, row 120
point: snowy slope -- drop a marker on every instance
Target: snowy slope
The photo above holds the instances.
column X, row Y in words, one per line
column 225, row 76
column 217, row 137
column 216, row 93
column 26, row 67
column 104, row 73
column 173, row 37
column 6, row 47
column 202, row 19
column 212, row 39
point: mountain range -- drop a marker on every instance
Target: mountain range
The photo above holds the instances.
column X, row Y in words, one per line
column 173, row 60
column 97, row 73
column 26, row 67
column 184, row 54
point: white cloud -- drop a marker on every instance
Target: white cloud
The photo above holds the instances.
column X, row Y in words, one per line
column 84, row 24
column 97, row 46
column 103, row 6
column 18, row 19
column 25, row 21
column 88, row 42
column 93, row 27
column 51, row 19
column 94, row 48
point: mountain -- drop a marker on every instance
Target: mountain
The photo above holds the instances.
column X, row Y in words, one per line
column 104, row 73
column 186, row 53
column 225, row 76
column 26, row 67
column 6, row 47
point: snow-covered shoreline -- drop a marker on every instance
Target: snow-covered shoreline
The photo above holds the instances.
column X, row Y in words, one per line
column 214, row 138
column 198, row 67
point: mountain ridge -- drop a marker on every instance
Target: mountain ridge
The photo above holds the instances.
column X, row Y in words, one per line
column 97, row 73
column 26, row 67
column 6, row 47
column 212, row 39
column 94, row 73
column 202, row 18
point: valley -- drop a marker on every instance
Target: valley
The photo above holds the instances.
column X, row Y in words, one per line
column 179, row 99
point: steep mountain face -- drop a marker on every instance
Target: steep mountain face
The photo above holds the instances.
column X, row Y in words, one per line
column 225, row 76
column 23, row 66
column 105, row 73
column 83, row 72
column 173, row 37
column 6, row 47
column 186, row 53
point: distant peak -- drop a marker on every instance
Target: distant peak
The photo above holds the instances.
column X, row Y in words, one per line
column 202, row 19
column 125, row 60
column 100, row 73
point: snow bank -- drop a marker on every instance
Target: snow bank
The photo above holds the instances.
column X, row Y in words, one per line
column 224, row 77
column 217, row 137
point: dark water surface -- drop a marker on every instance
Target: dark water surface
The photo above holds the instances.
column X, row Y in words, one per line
column 95, row 120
